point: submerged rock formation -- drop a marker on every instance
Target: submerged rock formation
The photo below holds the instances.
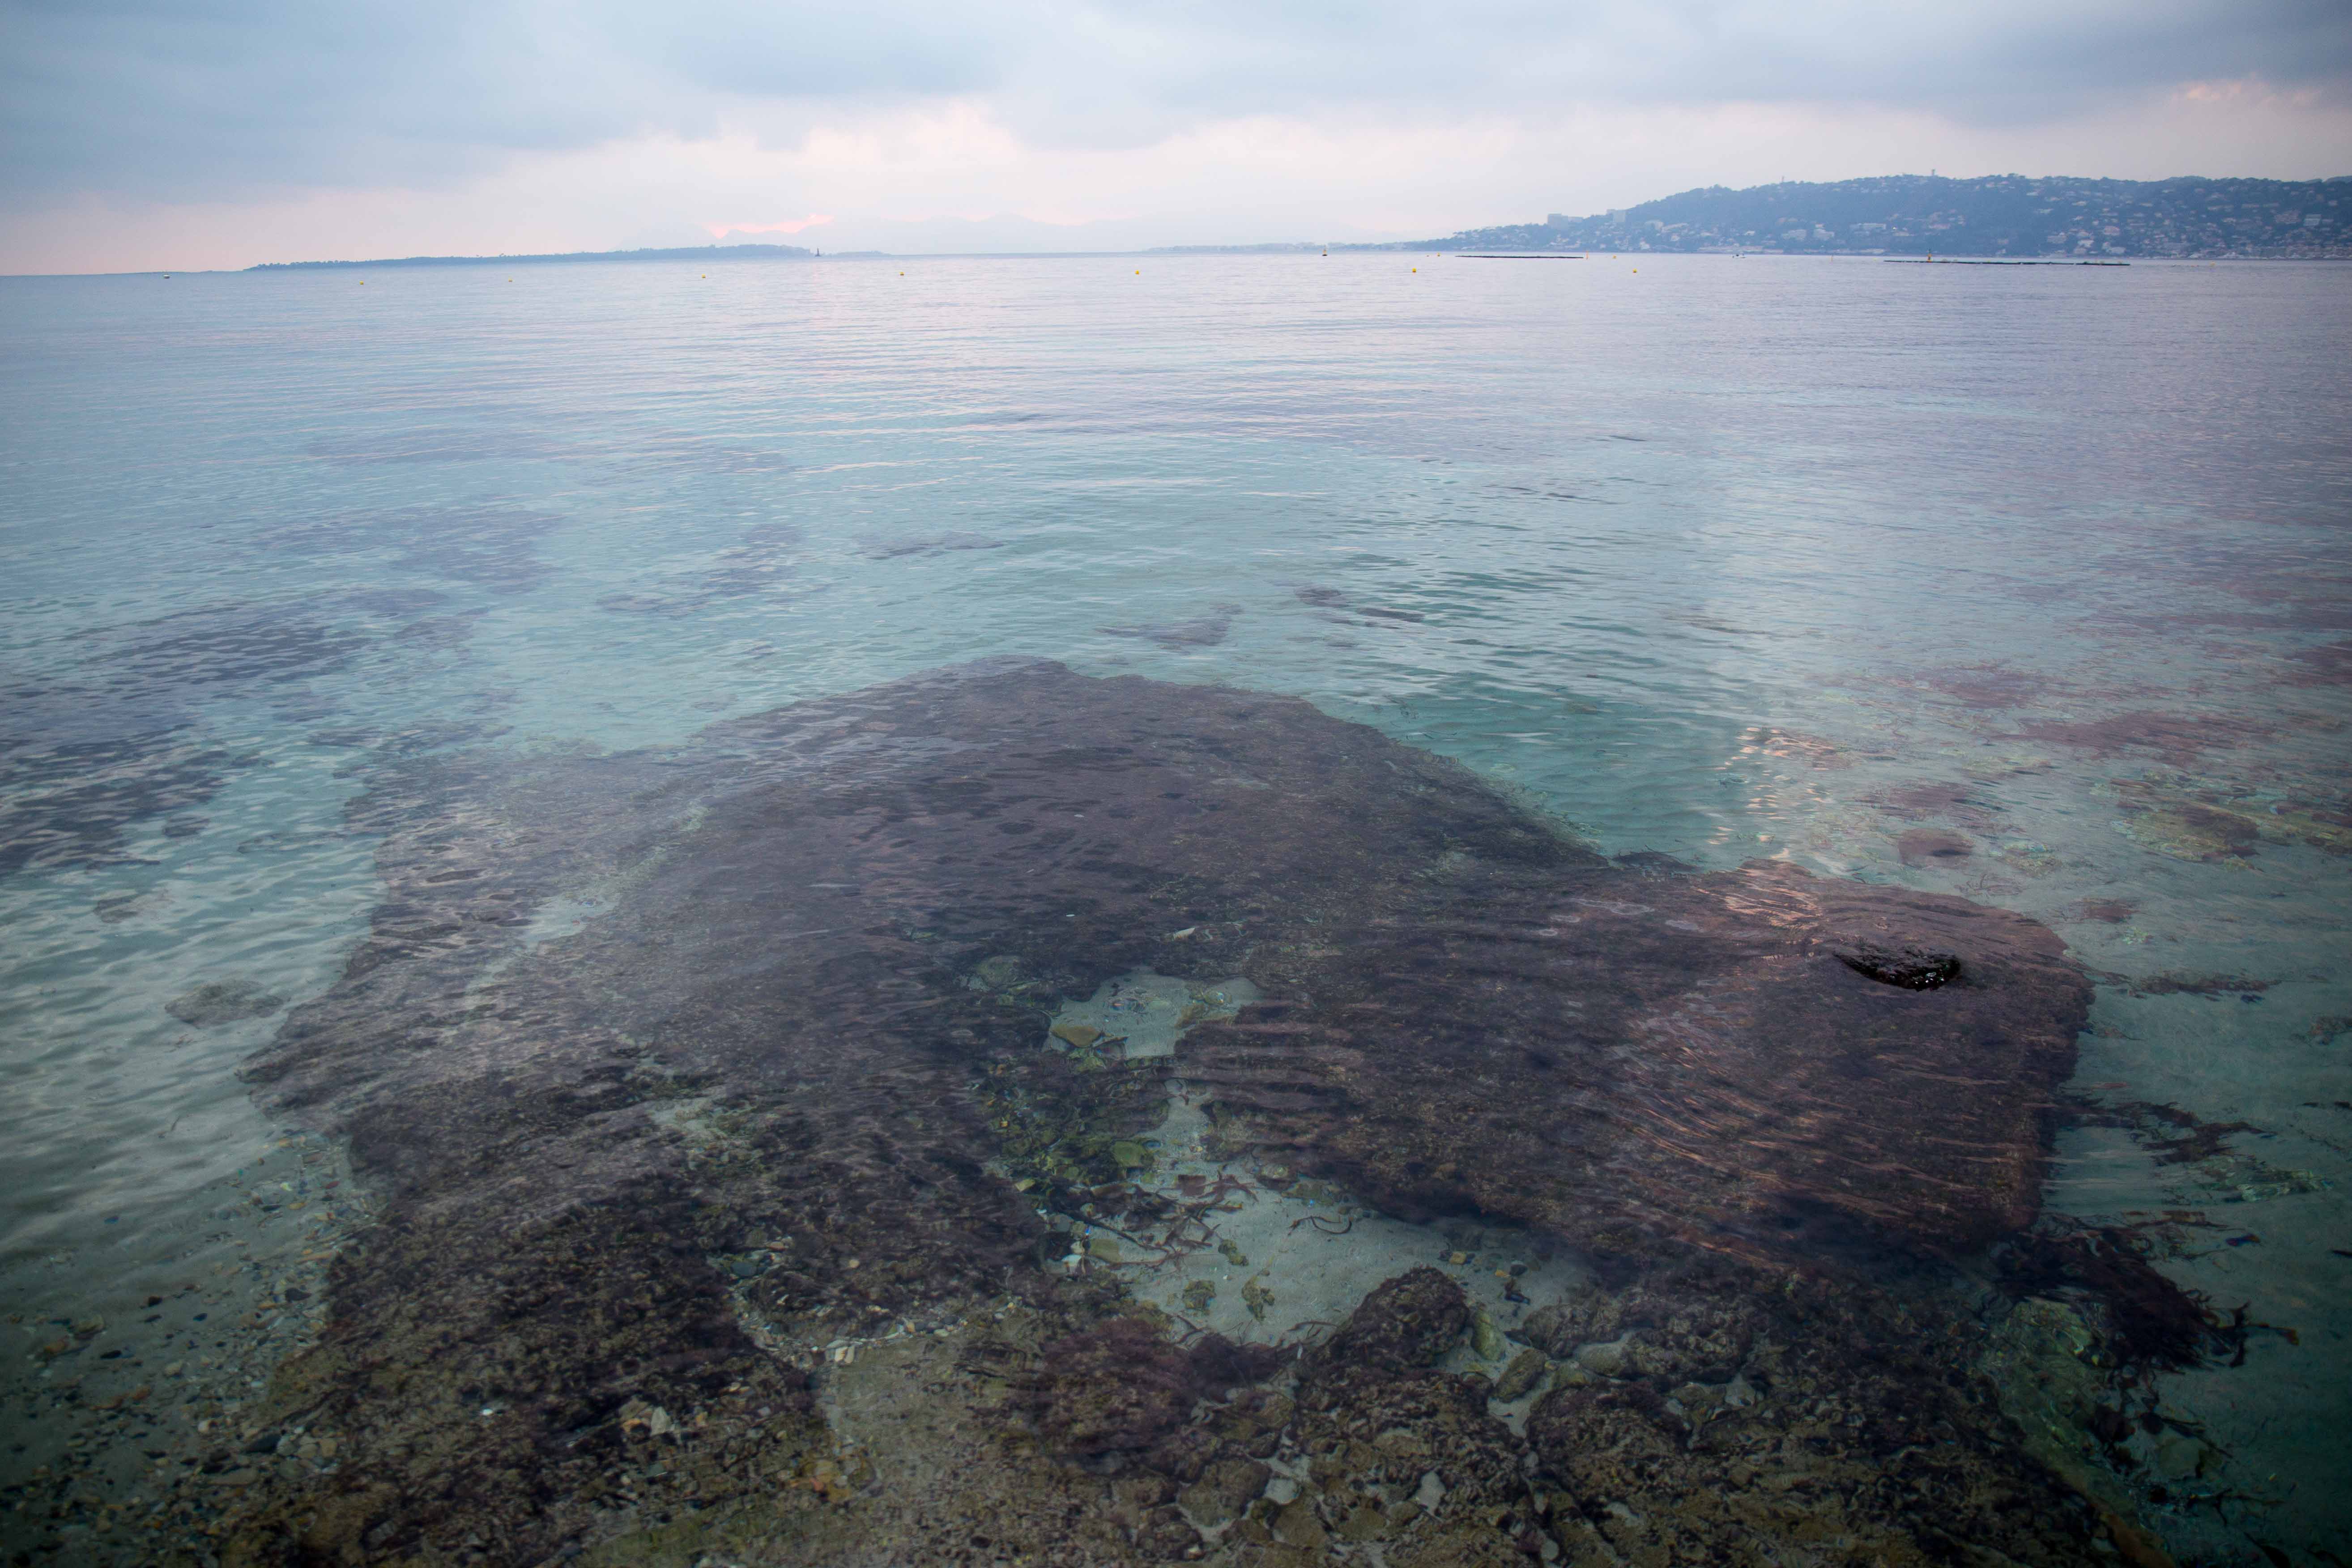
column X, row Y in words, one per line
column 688, row 1081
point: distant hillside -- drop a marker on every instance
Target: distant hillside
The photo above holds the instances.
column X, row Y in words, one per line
column 2004, row 214
column 681, row 253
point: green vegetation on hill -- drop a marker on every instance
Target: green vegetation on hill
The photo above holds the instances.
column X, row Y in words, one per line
column 2003, row 215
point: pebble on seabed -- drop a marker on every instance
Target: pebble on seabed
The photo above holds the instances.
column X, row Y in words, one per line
column 110, row 1441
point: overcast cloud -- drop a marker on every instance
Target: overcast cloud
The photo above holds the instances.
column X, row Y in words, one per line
column 233, row 130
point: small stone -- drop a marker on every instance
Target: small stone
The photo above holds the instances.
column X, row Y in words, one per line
column 1129, row 1154
column 1298, row 1526
column 1457, row 1258
column 1081, row 1035
column 1430, row 1493
column 1103, row 1248
column 1607, row 1360
column 1526, row 1369
column 1184, row 935
column 999, row 974
column 1699, row 1400
column 1224, row 1490
column 1485, row 1337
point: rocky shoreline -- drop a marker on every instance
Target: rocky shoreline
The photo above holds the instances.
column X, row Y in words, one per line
column 730, row 1155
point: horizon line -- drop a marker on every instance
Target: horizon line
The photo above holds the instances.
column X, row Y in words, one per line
column 773, row 251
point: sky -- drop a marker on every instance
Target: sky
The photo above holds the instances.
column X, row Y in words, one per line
column 141, row 134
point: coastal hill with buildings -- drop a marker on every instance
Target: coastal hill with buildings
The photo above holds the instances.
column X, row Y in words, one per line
column 1898, row 215
column 2003, row 215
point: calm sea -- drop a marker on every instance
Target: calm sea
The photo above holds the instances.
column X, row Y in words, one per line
column 2030, row 584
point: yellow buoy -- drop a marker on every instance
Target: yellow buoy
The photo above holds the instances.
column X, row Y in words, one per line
column 1416, row 269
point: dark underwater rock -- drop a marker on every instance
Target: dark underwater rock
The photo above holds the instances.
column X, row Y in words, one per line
column 1912, row 968
column 1931, row 846
column 1611, row 1058
column 766, row 1039
column 112, row 738
column 1409, row 1322
column 213, row 1003
column 1123, row 1387
column 73, row 802
column 1850, row 1424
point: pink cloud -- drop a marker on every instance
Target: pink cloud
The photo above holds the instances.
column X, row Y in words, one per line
column 789, row 225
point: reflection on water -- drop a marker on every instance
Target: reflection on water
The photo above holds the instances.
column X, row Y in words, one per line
column 1853, row 1056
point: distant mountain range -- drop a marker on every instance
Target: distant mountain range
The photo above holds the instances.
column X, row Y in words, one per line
column 677, row 253
column 2002, row 214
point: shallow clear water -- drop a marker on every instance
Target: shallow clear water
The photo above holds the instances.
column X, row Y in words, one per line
column 1720, row 558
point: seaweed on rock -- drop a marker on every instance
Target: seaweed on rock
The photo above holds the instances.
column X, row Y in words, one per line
column 1122, row 1387
column 723, row 1170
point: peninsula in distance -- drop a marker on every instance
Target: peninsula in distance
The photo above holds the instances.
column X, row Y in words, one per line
column 2191, row 217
